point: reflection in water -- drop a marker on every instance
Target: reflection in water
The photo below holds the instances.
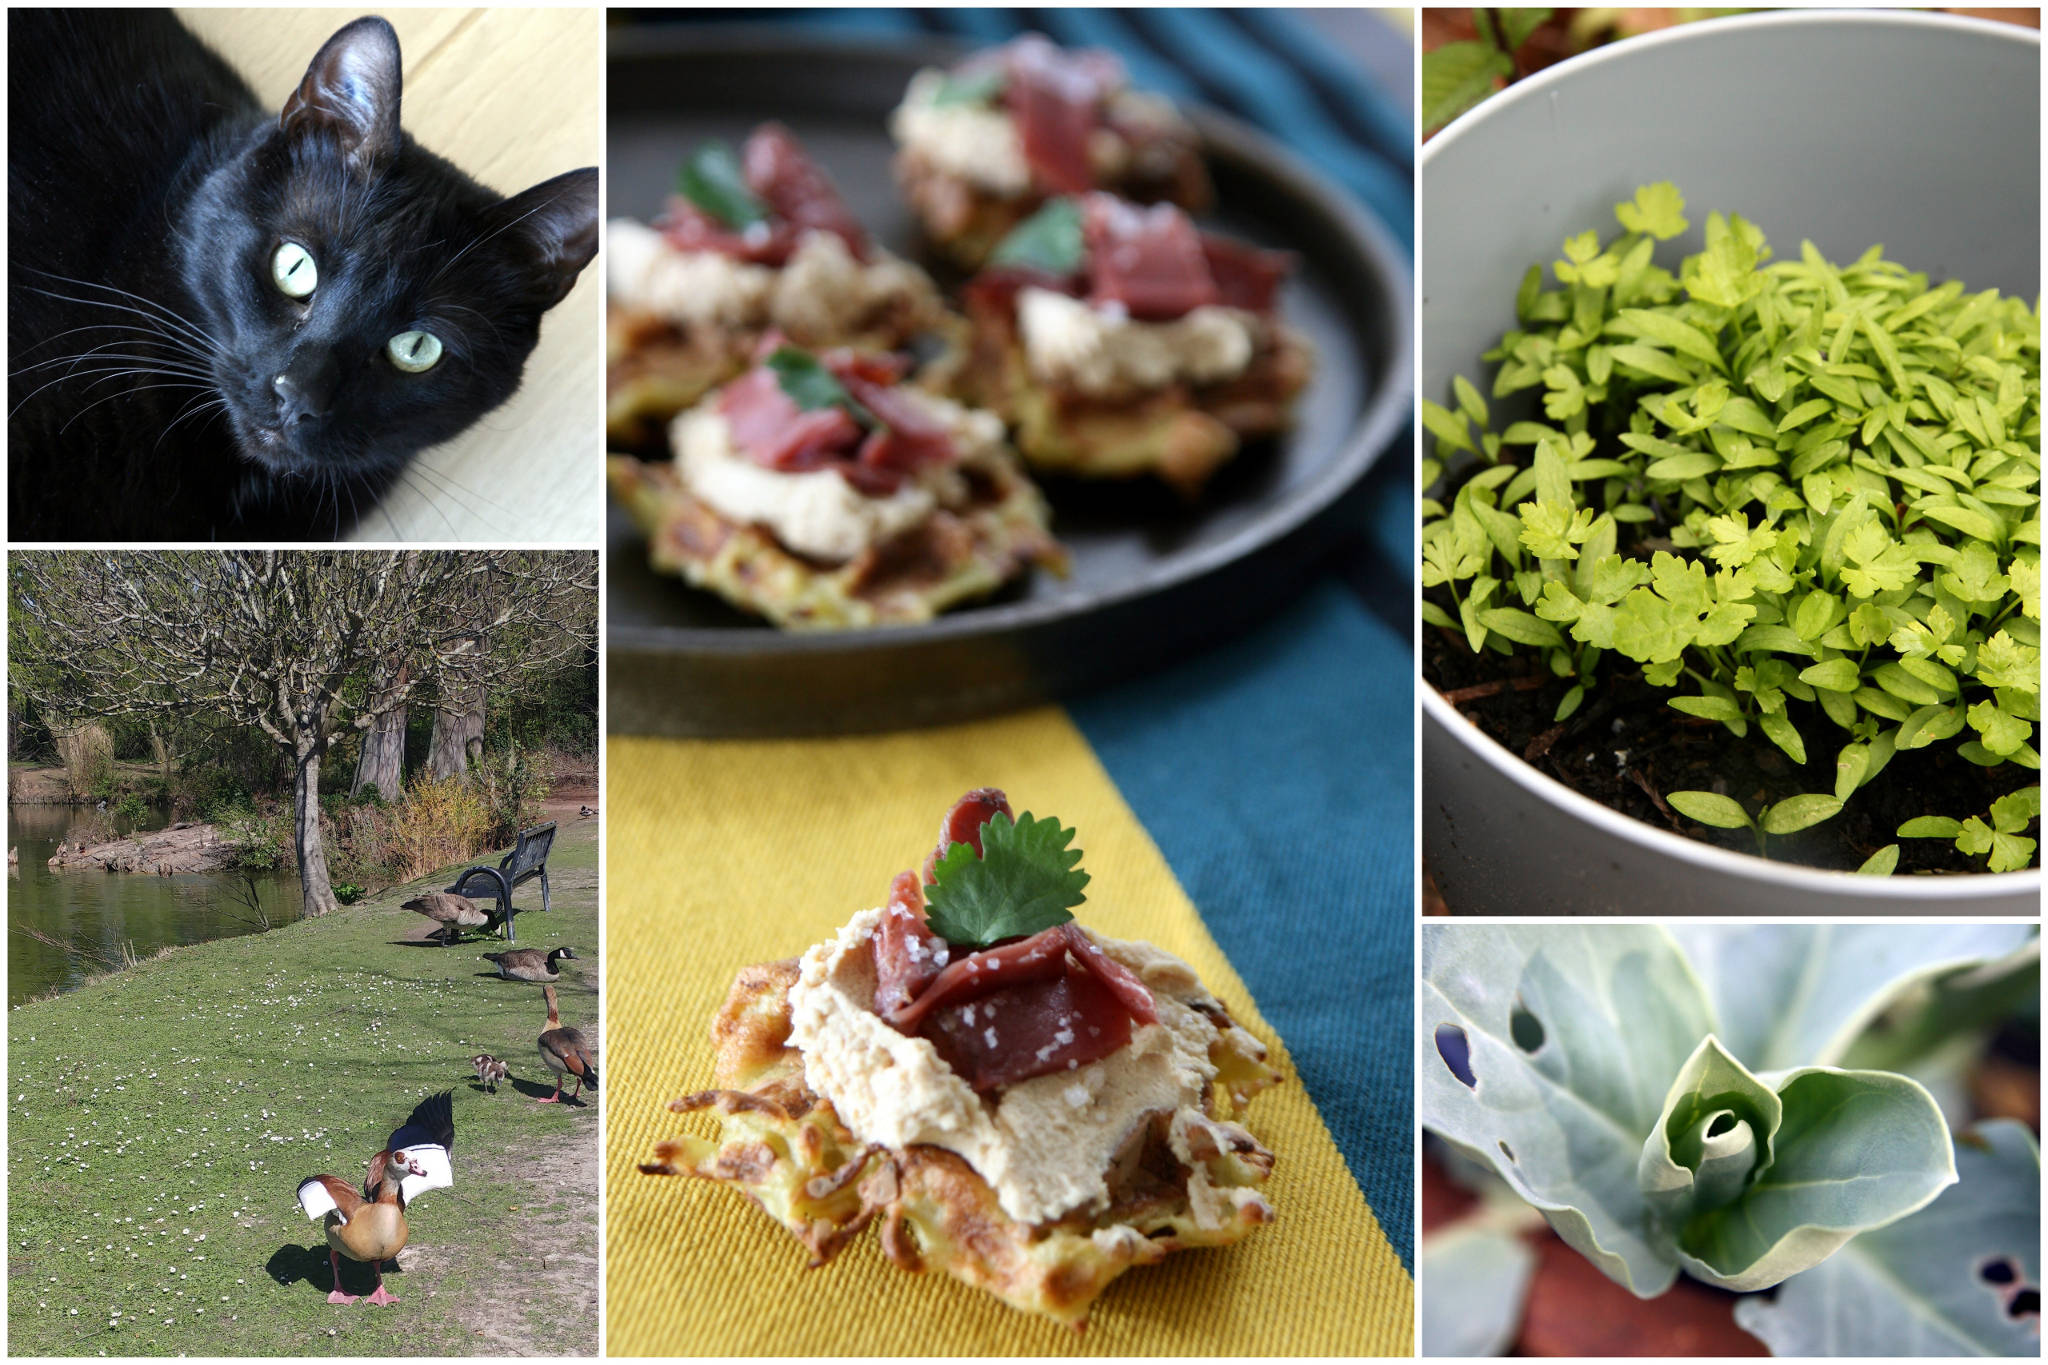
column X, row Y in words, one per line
column 96, row 912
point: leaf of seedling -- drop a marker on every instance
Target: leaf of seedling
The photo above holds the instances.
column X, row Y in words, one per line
column 1711, row 808
column 1657, row 209
column 1881, row 863
column 1795, row 813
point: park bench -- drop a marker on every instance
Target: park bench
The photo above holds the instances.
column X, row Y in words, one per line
column 527, row 860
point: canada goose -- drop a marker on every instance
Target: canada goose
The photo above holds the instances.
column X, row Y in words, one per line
column 453, row 913
column 489, row 1070
column 530, row 964
column 370, row 1226
column 565, row 1053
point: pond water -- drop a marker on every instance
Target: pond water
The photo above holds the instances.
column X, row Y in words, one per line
column 94, row 912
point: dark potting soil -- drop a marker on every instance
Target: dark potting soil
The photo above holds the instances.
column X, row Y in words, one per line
column 1626, row 748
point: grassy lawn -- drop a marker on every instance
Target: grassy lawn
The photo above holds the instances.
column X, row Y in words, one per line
column 161, row 1118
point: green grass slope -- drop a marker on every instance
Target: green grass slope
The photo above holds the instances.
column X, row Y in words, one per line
column 160, row 1120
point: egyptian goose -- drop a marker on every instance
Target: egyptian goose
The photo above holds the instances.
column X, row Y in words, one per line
column 489, row 1070
column 530, row 964
column 453, row 913
column 370, row 1226
column 565, row 1053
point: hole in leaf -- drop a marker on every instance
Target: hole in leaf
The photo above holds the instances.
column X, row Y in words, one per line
column 1456, row 1049
column 1998, row 1270
column 2025, row 1304
column 1507, row 1151
column 1525, row 1028
column 1721, row 1125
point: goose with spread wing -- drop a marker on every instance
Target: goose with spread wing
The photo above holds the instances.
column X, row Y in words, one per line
column 369, row 1225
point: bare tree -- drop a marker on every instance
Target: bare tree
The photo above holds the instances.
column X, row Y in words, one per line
column 273, row 639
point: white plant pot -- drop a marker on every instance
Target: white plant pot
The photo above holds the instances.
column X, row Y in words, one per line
column 1917, row 131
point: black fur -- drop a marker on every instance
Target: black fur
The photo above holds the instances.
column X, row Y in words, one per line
column 162, row 386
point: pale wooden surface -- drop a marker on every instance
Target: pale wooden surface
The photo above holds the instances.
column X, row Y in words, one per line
column 510, row 96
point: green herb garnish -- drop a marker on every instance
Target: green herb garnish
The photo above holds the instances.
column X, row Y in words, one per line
column 810, row 385
column 980, row 87
column 1049, row 240
column 712, row 180
column 1025, row 881
column 1804, row 496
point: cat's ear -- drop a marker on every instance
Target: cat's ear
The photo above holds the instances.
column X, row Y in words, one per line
column 556, row 221
column 351, row 92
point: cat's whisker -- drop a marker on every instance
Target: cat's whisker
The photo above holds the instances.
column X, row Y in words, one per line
column 163, row 310
column 193, row 407
column 156, row 333
column 476, row 242
column 62, row 378
column 137, row 388
column 452, row 486
column 427, row 495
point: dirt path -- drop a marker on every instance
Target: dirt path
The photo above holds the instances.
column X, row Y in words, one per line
column 547, row 1303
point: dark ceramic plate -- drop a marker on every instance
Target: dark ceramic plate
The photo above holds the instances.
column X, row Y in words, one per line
column 1152, row 578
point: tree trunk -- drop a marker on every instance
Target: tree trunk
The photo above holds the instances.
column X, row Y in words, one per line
column 162, row 751
column 458, row 733
column 383, row 758
column 316, row 892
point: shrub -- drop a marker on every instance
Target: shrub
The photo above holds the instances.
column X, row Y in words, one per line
column 1803, row 496
column 348, row 893
column 438, row 823
column 132, row 807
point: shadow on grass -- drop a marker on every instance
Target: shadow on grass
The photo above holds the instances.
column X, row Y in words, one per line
column 290, row 1265
column 535, row 1090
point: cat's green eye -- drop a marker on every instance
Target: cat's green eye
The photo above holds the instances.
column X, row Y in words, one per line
column 414, row 351
column 293, row 271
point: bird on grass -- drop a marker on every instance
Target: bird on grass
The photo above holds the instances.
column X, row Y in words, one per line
column 453, row 913
column 531, row 964
column 489, row 1070
column 369, row 1226
column 565, row 1053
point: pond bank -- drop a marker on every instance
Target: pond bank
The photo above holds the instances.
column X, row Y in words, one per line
column 187, row 846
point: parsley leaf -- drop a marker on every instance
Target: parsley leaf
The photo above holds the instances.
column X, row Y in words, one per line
column 713, row 181
column 812, row 386
column 980, row 87
column 1049, row 240
column 1025, row 881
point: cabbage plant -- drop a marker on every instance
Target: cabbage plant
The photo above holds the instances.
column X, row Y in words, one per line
column 1715, row 1100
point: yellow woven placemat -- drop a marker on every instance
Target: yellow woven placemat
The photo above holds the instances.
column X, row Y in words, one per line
column 723, row 853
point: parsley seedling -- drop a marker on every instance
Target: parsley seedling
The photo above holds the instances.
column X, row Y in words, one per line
column 1803, row 495
column 1026, row 880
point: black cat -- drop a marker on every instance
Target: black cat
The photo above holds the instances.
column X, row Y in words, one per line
column 228, row 323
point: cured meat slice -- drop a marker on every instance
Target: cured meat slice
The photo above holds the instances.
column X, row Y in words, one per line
column 1031, row 1029
column 1149, row 260
column 779, row 170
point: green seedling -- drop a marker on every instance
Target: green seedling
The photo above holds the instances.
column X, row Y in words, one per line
column 1803, row 496
column 2001, row 841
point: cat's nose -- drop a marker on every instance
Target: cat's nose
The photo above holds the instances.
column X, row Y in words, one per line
column 298, row 401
